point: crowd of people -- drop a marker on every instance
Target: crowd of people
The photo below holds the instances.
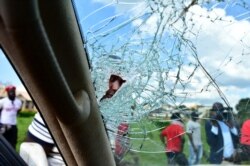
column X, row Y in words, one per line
column 228, row 142
column 37, row 132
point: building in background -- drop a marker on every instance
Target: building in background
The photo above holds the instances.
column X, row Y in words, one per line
column 23, row 95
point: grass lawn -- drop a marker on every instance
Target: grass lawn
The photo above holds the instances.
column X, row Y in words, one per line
column 147, row 146
column 22, row 123
column 151, row 149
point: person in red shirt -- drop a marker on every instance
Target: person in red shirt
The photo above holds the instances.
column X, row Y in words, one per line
column 245, row 133
column 173, row 138
column 122, row 140
column 243, row 152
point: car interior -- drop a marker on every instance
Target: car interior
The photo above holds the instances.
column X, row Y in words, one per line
column 46, row 50
column 85, row 66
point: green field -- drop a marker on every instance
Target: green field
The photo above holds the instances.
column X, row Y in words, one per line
column 151, row 144
column 150, row 151
column 148, row 143
column 22, row 125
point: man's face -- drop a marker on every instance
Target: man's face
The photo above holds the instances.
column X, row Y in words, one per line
column 110, row 93
column 115, row 82
column 12, row 94
column 114, row 85
column 216, row 115
column 213, row 114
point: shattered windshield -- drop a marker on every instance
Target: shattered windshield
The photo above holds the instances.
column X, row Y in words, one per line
column 172, row 56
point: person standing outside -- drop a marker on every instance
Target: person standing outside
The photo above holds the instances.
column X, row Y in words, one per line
column 121, row 141
column 245, row 134
column 10, row 106
column 38, row 132
column 195, row 144
column 222, row 136
column 121, row 144
column 243, row 152
column 115, row 82
column 173, row 138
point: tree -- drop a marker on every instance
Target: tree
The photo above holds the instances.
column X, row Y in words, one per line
column 243, row 108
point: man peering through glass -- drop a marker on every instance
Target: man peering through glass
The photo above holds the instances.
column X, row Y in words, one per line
column 115, row 82
column 121, row 139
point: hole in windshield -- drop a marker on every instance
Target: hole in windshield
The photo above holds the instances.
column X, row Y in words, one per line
column 185, row 64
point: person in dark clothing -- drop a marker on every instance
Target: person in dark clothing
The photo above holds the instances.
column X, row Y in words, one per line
column 222, row 135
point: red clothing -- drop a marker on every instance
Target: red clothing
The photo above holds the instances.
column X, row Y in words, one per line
column 122, row 141
column 173, row 134
column 122, row 128
column 245, row 133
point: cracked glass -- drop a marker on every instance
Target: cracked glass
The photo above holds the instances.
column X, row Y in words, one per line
column 173, row 57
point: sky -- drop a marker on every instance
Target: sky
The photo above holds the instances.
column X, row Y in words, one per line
column 222, row 44
column 7, row 73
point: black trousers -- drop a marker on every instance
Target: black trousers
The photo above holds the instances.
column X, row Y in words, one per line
column 176, row 158
column 11, row 135
column 243, row 153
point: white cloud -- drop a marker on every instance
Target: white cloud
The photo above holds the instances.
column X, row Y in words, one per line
column 220, row 40
column 149, row 27
column 220, row 43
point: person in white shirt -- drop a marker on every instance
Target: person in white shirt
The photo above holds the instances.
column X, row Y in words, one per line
column 39, row 133
column 10, row 106
column 194, row 135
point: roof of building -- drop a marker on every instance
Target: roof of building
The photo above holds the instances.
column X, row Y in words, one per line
column 22, row 94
